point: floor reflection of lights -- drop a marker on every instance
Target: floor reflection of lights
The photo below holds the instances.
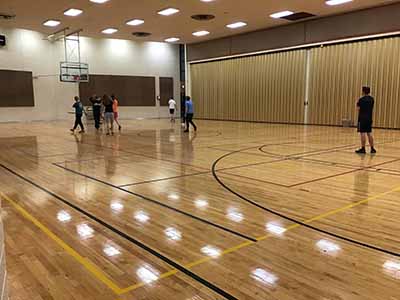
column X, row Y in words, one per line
column 264, row 276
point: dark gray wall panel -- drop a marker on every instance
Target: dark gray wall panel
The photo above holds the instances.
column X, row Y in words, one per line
column 129, row 90
column 16, row 89
column 166, row 90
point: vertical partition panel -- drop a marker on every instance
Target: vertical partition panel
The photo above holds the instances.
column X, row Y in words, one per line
column 338, row 73
column 268, row 88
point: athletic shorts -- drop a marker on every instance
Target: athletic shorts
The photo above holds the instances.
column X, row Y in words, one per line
column 109, row 117
column 116, row 115
column 171, row 111
column 364, row 126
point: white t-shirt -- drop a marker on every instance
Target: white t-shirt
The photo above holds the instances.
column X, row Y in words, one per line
column 172, row 104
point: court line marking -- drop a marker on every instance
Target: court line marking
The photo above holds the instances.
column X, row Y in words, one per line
column 245, row 244
column 117, row 290
column 262, row 238
column 89, row 266
column 163, row 179
column 156, row 202
column 292, row 219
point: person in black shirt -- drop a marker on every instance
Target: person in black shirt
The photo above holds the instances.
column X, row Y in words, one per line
column 365, row 108
column 108, row 114
column 96, row 102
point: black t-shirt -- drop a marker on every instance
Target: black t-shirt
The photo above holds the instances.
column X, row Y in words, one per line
column 366, row 105
column 109, row 108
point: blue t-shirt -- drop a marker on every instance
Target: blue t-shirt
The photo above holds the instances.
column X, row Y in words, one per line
column 78, row 108
column 189, row 107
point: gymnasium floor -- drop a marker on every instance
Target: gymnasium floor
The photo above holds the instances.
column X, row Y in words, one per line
column 236, row 211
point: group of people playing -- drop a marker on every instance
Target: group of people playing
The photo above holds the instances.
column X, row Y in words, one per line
column 109, row 105
column 189, row 112
column 105, row 108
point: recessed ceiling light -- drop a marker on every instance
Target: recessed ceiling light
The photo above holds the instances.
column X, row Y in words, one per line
column 109, row 30
column 337, row 2
column 282, row 14
column 51, row 23
column 73, row 12
column 135, row 22
column 172, row 40
column 236, row 25
column 99, row 1
column 206, row 0
column 168, row 11
column 201, row 33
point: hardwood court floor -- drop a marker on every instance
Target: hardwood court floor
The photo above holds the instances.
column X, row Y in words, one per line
column 236, row 211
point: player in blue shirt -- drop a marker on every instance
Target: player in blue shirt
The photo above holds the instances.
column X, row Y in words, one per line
column 79, row 110
column 189, row 111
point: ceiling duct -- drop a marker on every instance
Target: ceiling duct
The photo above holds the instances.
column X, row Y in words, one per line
column 141, row 34
column 203, row 17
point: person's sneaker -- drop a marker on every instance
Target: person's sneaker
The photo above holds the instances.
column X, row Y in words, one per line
column 82, row 131
column 120, row 127
column 107, row 133
column 72, row 130
column 373, row 150
column 361, row 151
column 186, row 131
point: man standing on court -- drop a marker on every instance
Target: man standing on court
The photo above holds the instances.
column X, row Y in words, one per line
column 365, row 108
column 172, row 106
column 96, row 103
column 189, row 111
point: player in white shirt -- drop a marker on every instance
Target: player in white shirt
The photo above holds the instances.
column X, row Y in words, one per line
column 172, row 107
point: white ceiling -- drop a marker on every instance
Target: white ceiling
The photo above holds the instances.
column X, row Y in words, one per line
column 115, row 13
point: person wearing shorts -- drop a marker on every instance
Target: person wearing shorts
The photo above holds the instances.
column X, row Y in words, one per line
column 115, row 109
column 172, row 107
column 108, row 114
column 365, row 106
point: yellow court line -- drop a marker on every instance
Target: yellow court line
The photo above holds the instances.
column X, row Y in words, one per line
column 83, row 261
column 119, row 291
column 249, row 243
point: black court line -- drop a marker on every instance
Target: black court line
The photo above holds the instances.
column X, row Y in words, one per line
column 307, row 153
column 128, row 238
column 254, row 203
column 160, row 204
column 203, row 173
column 325, row 162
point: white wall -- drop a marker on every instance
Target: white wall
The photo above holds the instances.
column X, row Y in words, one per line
column 29, row 51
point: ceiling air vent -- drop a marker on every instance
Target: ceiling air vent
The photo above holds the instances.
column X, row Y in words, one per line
column 141, row 34
column 298, row 16
column 7, row 16
column 203, row 17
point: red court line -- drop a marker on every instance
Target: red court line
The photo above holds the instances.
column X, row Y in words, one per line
column 163, row 179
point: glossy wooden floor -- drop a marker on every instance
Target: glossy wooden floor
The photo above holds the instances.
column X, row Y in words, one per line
column 236, row 211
